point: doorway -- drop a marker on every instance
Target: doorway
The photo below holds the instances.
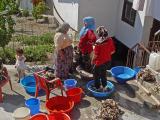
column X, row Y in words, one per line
column 154, row 29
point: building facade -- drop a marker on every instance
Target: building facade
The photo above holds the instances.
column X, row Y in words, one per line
column 129, row 26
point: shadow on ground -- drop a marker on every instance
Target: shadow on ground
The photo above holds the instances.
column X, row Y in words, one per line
column 12, row 102
column 125, row 89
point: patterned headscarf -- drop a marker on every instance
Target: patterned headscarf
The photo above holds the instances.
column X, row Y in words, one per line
column 102, row 31
column 63, row 28
column 102, row 34
column 89, row 25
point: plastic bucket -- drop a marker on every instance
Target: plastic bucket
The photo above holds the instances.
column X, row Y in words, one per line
column 29, row 83
column 58, row 116
column 34, row 105
column 75, row 94
column 39, row 116
column 22, row 113
column 70, row 83
column 59, row 104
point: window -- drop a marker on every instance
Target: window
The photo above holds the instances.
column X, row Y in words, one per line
column 128, row 14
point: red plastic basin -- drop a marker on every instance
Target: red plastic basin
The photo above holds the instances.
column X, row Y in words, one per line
column 58, row 116
column 75, row 94
column 59, row 104
column 39, row 116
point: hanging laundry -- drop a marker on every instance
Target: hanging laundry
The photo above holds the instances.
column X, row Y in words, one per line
column 138, row 5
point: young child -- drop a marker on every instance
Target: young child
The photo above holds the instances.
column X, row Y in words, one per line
column 87, row 39
column 103, row 50
column 20, row 63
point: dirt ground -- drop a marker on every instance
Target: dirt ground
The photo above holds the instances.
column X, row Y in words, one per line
column 27, row 25
column 86, row 110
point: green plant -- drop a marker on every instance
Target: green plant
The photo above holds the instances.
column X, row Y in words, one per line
column 44, row 39
column 47, row 38
column 25, row 13
column 39, row 9
column 10, row 59
column 7, row 9
column 35, row 2
column 37, row 53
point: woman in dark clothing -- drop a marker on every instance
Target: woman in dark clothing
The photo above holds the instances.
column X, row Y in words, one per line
column 103, row 50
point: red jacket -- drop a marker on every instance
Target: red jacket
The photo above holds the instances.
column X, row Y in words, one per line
column 103, row 52
column 86, row 41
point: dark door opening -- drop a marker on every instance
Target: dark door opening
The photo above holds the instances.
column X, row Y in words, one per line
column 120, row 56
column 154, row 29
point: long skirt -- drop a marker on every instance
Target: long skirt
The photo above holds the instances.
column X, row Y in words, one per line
column 63, row 66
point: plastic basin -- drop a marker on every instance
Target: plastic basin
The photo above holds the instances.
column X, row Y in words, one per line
column 39, row 116
column 21, row 113
column 101, row 94
column 137, row 69
column 34, row 105
column 29, row 84
column 58, row 116
column 70, row 83
column 122, row 74
column 59, row 104
column 75, row 94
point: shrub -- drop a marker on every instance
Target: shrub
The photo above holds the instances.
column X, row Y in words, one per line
column 39, row 9
column 37, row 53
column 47, row 38
column 8, row 57
column 44, row 39
column 32, row 54
column 25, row 13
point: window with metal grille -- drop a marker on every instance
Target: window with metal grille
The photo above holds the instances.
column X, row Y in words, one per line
column 128, row 14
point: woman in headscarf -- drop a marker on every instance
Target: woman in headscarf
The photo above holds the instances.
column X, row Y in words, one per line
column 103, row 50
column 87, row 39
column 63, row 51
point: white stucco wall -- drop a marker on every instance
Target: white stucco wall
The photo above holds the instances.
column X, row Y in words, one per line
column 26, row 5
column 153, row 9
column 128, row 34
column 147, row 29
column 104, row 11
column 68, row 10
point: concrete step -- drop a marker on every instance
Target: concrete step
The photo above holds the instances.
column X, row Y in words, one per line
column 143, row 96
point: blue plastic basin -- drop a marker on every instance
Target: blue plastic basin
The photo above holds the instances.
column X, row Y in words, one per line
column 137, row 70
column 34, row 105
column 122, row 74
column 70, row 83
column 100, row 94
column 29, row 83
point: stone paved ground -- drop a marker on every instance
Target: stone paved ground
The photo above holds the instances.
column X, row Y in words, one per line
column 134, row 109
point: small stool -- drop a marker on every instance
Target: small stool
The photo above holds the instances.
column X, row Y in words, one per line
column 21, row 113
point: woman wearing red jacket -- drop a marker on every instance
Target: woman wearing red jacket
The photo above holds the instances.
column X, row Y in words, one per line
column 103, row 50
column 87, row 39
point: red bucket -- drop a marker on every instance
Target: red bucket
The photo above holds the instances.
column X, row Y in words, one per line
column 58, row 116
column 75, row 94
column 39, row 116
column 59, row 104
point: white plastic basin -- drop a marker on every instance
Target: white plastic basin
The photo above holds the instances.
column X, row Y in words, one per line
column 21, row 113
